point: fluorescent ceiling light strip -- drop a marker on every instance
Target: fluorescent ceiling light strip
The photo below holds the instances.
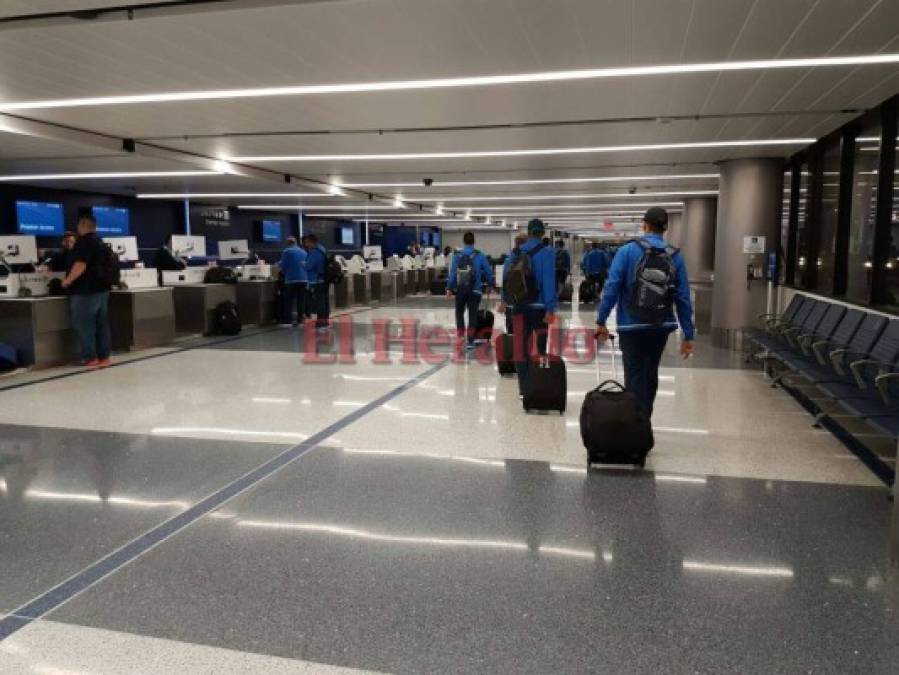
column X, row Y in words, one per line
column 455, row 82
column 107, row 174
column 535, row 181
column 550, row 207
column 610, row 195
column 224, row 195
column 522, row 153
column 317, row 207
column 750, row 570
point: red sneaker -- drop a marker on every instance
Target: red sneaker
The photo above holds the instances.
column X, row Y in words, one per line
column 92, row 363
column 104, row 363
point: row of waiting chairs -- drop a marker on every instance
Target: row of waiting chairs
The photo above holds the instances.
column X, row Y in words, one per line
column 848, row 355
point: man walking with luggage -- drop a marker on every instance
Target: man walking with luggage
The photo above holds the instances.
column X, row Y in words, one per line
column 89, row 301
column 595, row 266
column 563, row 264
column 647, row 283
column 316, row 265
column 529, row 287
column 293, row 266
column 468, row 274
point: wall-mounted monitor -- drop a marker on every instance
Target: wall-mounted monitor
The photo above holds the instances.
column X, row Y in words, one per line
column 371, row 252
column 188, row 246
column 436, row 238
column 347, row 235
column 42, row 219
column 236, row 249
column 125, row 247
column 112, row 221
column 271, row 231
column 18, row 250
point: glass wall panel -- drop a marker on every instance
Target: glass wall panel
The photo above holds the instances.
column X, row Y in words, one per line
column 800, row 253
column 827, row 216
column 862, row 214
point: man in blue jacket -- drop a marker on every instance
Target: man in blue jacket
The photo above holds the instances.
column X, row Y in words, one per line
column 293, row 265
column 316, row 261
column 595, row 265
column 537, row 316
column 642, row 343
column 563, row 264
column 469, row 272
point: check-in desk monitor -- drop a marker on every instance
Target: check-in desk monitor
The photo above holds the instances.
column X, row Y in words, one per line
column 124, row 247
column 235, row 249
column 371, row 252
column 188, row 246
column 18, row 250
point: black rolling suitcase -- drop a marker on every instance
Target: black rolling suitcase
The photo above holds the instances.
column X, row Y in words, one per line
column 484, row 325
column 227, row 318
column 565, row 292
column 547, row 383
column 587, row 291
column 614, row 428
column 504, row 350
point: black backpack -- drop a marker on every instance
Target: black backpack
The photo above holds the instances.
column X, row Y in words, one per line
column 107, row 271
column 227, row 318
column 654, row 284
column 520, row 284
column 168, row 261
column 333, row 271
column 220, row 275
column 465, row 271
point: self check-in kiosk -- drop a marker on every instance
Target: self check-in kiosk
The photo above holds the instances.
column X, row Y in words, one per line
column 17, row 253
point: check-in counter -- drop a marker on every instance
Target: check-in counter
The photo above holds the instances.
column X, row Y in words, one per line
column 40, row 329
column 257, row 301
column 194, row 305
column 141, row 317
column 343, row 293
column 376, row 286
column 361, row 288
column 410, row 282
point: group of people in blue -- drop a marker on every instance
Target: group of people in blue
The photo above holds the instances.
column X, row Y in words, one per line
column 642, row 343
column 305, row 284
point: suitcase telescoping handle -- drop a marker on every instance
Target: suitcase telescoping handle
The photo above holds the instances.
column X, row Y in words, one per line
column 599, row 380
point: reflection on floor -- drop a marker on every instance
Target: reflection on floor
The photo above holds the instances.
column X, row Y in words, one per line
column 442, row 530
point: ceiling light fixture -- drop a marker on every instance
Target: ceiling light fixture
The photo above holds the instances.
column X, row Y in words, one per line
column 226, row 195
column 454, row 82
column 107, row 174
column 551, row 207
column 522, row 153
column 611, row 195
column 317, row 207
column 538, row 181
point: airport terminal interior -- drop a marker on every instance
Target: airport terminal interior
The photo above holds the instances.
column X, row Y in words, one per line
column 358, row 489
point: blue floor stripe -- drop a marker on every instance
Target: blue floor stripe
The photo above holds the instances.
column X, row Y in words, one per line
column 83, row 580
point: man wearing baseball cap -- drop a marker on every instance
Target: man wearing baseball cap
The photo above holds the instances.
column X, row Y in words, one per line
column 533, row 318
column 646, row 305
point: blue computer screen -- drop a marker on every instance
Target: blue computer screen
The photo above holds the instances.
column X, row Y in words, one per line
column 112, row 221
column 42, row 219
column 271, row 230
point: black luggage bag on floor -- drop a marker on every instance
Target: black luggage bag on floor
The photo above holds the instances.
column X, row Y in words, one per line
column 438, row 287
column 504, row 350
column 614, row 428
column 587, row 291
column 547, row 384
column 484, row 328
column 565, row 292
column 227, row 319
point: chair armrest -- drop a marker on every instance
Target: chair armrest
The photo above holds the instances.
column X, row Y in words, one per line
column 818, row 350
column 858, row 367
column 805, row 341
column 838, row 360
column 882, row 382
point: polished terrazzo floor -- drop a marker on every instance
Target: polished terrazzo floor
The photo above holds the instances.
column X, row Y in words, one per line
column 225, row 507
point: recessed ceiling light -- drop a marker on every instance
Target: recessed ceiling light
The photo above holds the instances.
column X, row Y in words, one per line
column 225, row 195
column 106, row 174
column 550, row 207
column 538, row 181
column 521, row 153
column 332, row 207
column 453, row 82
column 611, row 195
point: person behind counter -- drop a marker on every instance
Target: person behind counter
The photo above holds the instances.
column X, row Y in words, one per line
column 61, row 260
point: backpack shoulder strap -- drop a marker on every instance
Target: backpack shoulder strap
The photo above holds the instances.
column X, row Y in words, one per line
column 534, row 251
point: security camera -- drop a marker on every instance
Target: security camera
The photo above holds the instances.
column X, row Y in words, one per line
column 632, row 190
column 428, row 182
